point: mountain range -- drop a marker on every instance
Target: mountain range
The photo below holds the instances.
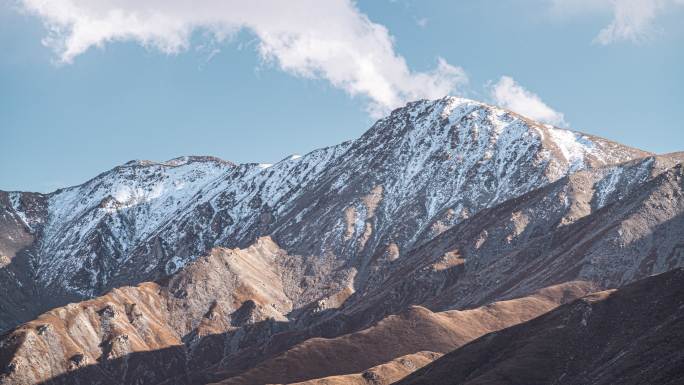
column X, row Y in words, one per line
column 450, row 229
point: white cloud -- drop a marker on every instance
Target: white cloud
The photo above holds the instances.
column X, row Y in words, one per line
column 329, row 40
column 633, row 20
column 508, row 94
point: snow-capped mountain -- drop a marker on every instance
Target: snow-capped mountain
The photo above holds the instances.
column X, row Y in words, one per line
column 414, row 174
column 444, row 205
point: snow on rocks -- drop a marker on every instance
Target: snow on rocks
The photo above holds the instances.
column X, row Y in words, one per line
column 434, row 162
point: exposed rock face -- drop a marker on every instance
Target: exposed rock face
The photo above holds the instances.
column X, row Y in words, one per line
column 248, row 273
column 155, row 332
column 102, row 340
column 567, row 236
column 633, row 335
column 102, row 334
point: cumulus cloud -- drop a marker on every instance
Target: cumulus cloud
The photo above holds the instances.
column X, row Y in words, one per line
column 329, row 40
column 508, row 94
column 633, row 20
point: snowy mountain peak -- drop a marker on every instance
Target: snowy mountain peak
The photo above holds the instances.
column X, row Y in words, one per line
column 417, row 172
column 461, row 123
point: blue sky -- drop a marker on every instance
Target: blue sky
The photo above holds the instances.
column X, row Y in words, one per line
column 84, row 88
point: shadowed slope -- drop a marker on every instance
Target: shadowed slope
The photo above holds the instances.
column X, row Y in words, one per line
column 632, row 335
column 416, row 329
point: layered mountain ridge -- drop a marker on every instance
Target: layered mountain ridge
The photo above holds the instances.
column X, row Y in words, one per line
column 434, row 164
column 443, row 205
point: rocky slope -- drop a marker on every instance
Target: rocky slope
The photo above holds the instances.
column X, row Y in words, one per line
column 633, row 335
column 551, row 235
column 258, row 287
column 219, row 293
column 174, row 331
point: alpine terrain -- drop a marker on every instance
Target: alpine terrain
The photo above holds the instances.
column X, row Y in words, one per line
column 453, row 243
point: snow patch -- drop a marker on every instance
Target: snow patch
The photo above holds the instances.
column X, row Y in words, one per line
column 15, row 202
column 574, row 146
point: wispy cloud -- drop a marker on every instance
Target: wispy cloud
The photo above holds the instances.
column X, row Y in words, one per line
column 633, row 20
column 507, row 93
column 331, row 40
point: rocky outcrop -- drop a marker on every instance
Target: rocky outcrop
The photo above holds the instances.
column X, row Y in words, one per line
column 103, row 340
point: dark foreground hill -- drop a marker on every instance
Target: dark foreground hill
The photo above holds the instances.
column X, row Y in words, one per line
column 632, row 335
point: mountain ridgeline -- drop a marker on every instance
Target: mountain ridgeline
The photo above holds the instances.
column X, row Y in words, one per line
column 454, row 215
